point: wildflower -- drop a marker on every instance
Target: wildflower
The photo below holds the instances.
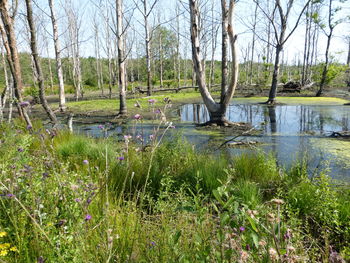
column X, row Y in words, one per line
column 3, row 253
column 152, row 244
column 157, row 111
column 88, row 201
column 3, row 234
column 242, row 228
column 247, row 247
column 41, row 260
column 288, row 234
column 5, row 246
column 137, row 117
column 88, row 217
column 20, row 150
column 121, row 158
column 101, row 127
column 151, row 137
column 10, row 195
column 29, row 127
column 273, row 253
column 14, row 249
column 86, row 162
column 78, row 200
column 24, row 104
column 151, row 101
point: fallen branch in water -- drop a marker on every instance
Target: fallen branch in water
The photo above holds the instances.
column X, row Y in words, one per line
column 235, row 137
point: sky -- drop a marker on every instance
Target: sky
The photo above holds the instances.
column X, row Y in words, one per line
column 90, row 12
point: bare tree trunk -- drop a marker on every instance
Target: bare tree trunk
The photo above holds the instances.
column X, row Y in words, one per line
column 331, row 26
column 148, row 50
column 35, row 56
column 62, row 96
column 216, row 111
column 121, row 59
column 4, row 95
column 49, row 66
column 253, row 45
column 10, row 42
column 160, row 56
column 348, row 60
column 325, row 67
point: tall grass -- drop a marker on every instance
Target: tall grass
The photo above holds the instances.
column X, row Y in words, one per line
column 69, row 198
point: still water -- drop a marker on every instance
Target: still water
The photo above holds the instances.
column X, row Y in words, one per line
column 289, row 132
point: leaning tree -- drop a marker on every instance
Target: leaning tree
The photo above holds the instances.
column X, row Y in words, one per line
column 217, row 110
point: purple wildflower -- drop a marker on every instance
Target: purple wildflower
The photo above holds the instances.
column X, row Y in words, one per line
column 86, row 162
column 10, row 195
column 20, row 150
column 24, row 104
column 157, row 111
column 88, row 201
column 242, row 228
column 137, row 117
column 29, row 127
column 101, row 127
column 88, row 217
column 151, row 101
column 121, row 158
column 41, row 260
column 78, row 200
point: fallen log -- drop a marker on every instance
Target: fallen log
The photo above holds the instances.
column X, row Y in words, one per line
column 160, row 89
column 342, row 134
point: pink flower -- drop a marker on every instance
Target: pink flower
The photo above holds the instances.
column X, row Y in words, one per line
column 151, row 101
column 137, row 117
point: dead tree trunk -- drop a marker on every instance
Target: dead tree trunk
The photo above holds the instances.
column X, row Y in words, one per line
column 62, row 97
column 10, row 42
column 37, row 65
column 121, row 59
column 216, row 110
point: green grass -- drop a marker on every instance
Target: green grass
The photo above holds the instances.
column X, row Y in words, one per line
column 165, row 202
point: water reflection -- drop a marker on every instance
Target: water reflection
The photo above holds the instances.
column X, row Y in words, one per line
column 280, row 119
column 287, row 131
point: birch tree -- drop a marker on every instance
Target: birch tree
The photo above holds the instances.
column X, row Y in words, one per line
column 217, row 110
column 37, row 65
column 59, row 70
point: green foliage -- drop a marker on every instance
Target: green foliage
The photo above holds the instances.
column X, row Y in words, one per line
column 64, row 195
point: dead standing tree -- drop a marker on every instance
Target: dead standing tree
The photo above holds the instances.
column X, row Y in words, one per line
column 331, row 24
column 121, row 59
column 37, row 65
column 146, row 12
column 9, row 39
column 59, row 70
column 217, row 110
column 281, row 36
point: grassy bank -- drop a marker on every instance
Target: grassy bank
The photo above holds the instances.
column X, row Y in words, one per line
column 69, row 198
